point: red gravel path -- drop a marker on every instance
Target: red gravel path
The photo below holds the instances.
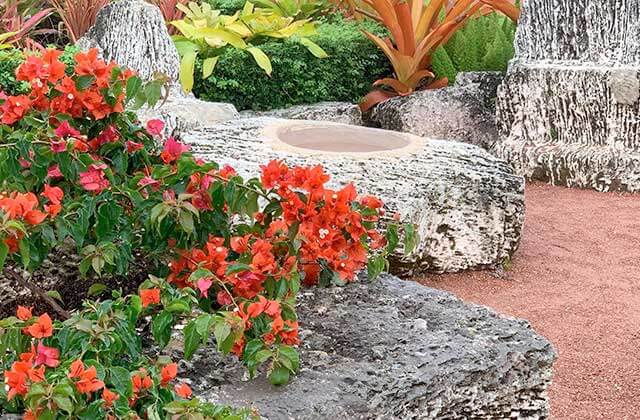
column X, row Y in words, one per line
column 576, row 278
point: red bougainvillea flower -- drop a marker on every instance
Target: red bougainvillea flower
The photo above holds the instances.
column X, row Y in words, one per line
column 94, row 178
column 141, row 381
column 224, row 298
column 172, row 150
column 132, row 146
column 89, row 64
column 168, row 373
column 22, row 206
column 108, row 135
column 155, row 127
column 183, row 391
column 18, row 378
column 58, row 146
column 23, row 313
column 65, row 130
column 149, row 181
column 150, row 297
column 14, row 109
column 42, row 328
column 86, row 379
column 47, row 356
column 54, row 172
column 204, row 285
column 227, row 172
column 109, row 397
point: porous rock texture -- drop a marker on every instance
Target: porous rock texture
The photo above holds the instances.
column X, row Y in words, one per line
column 394, row 349
column 468, row 206
column 462, row 112
column 568, row 109
column 133, row 34
column 340, row 112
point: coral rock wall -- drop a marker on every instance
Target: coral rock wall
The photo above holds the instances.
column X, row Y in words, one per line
column 568, row 110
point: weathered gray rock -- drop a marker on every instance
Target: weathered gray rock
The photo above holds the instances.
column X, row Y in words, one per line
column 182, row 114
column 463, row 112
column 133, row 33
column 340, row 112
column 468, row 206
column 568, row 109
column 394, row 349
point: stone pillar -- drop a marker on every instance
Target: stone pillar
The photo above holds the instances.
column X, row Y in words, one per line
column 133, row 34
column 568, row 109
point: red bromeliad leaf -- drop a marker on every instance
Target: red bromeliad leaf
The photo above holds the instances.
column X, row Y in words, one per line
column 373, row 98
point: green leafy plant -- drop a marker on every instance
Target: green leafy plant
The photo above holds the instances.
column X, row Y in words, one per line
column 485, row 43
column 297, row 9
column 353, row 63
column 416, row 31
column 207, row 34
column 226, row 256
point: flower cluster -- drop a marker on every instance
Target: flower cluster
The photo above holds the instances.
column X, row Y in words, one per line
column 52, row 90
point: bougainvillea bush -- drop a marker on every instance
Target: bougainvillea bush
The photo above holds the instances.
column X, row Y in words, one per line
column 226, row 256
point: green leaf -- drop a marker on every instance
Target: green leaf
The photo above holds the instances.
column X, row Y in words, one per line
column 191, row 340
column 237, row 267
column 392, row 237
column 291, row 355
column 279, row 376
column 25, row 252
column 121, row 380
column 221, row 332
column 4, row 251
column 261, row 59
column 63, row 403
column 410, row 238
column 186, row 222
column 376, row 265
column 313, row 48
column 133, row 87
column 54, row 294
column 83, row 82
column 161, row 328
column 208, row 65
column 96, row 289
column 178, row 306
column 187, row 66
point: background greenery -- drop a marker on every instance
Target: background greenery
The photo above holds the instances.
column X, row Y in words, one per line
column 483, row 44
column 354, row 63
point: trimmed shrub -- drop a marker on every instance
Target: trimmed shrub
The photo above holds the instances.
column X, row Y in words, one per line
column 227, row 7
column 483, row 44
column 298, row 77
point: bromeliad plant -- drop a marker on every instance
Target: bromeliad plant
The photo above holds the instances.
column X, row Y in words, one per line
column 416, row 30
column 205, row 34
column 225, row 256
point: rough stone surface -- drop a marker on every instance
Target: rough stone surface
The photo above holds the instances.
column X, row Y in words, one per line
column 133, row 33
column 182, row 114
column 340, row 112
column 394, row 349
column 463, row 112
column 468, row 205
column 568, row 109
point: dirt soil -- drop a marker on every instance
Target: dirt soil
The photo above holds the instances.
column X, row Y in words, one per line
column 576, row 278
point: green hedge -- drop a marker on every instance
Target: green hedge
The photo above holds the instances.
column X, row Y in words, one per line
column 10, row 60
column 227, row 7
column 298, row 77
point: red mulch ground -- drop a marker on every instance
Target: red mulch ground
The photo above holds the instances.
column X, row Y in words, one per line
column 576, row 278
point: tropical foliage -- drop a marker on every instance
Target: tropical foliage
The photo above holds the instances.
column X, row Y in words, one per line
column 207, row 34
column 416, row 30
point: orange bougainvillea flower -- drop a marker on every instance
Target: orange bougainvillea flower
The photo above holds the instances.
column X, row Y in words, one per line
column 42, row 328
column 141, row 381
column 22, row 206
column 14, row 109
column 109, row 397
column 150, row 297
column 18, row 377
column 183, row 390
column 86, row 379
column 168, row 373
column 23, row 313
